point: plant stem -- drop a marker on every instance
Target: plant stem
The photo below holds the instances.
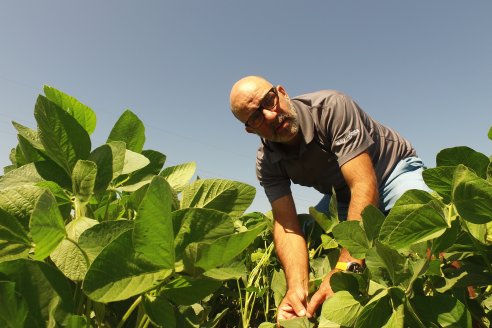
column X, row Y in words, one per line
column 129, row 311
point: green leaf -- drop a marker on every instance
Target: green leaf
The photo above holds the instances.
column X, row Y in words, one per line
column 490, row 133
column 442, row 310
column 199, row 225
column 302, row 322
column 76, row 321
column 29, row 135
column 235, row 270
column 342, row 308
column 24, row 175
column 109, row 159
column 372, row 220
column 13, row 312
column 83, row 114
column 19, row 202
column 133, row 162
column 481, row 232
column 440, row 179
column 47, row 226
column 119, row 272
column 14, row 242
column 447, row 239
column 341, row 281
column 83, row 180
column 64, row 140
column 143, row 176
column 472, row 196
column 278, row 286
column 160, row 311
column 474, row 160
column 30, row 153
column 129, row 129
column 208, row 255
column 386, row 264
column 69, row 257
column 380, row 312
column 44, row 289
column 351, row 236
column 223, row 195
column 153, row 234
column 325, row 222
column 416, row 217
column 179, row 175
column 187, row 291
column 94, row 239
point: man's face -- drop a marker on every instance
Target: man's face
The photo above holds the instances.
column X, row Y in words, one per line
column 270, row 114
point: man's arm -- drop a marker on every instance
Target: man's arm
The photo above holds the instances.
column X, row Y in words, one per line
column 292, row 251
column 361, row 179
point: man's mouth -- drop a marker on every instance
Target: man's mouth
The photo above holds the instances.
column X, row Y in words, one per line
column 282, row 124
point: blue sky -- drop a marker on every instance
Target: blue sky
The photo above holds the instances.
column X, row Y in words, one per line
column 421, row 67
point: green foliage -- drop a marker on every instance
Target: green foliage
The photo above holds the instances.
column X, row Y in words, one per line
column 110, row 237
column 86, row 233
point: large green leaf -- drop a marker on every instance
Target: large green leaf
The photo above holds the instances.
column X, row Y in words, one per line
column 20, row 201
column 186, row 290
column 84, row 179
column 129, row 129
column 14, row 242
column 63, row 138
column 46, row 225
column 234, row 270
column 133, row 162
column 476, row 161
column 351, row 236
column 13, row 312
column 372, row 220
column 223, row 195
column 179, row 175
column 160, row 311
column 69, row 257
column 416, row 217
column 153, row 234
column 440, row 179
column 442, row 310
column 24, row 175
column 143, row 176
column 109, row 159
column 44, row 288
column 342, row 308
column 199, row 225
column 83, row 114
column 208, row 255
column 385, row 263
column 119, row 272
column 472, row 196
column 383, row 311
column 94, row 239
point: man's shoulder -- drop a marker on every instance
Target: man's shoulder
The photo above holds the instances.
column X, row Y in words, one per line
column 319, row 98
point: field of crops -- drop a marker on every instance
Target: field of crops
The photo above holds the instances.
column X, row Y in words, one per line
column 108, row 236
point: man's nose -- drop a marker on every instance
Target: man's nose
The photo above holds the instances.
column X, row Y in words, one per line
column 270, row 114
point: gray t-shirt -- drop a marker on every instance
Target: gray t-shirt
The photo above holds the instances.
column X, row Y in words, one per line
column 334, row 130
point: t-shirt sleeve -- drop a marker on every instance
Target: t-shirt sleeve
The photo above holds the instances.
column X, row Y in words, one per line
column 274, row 181
column 345, row 128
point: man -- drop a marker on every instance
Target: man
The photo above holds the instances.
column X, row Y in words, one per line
column 322, row 140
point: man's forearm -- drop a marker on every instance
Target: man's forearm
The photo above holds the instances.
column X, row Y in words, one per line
column 292, row 252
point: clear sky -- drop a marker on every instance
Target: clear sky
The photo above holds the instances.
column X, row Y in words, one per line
column 421, row 67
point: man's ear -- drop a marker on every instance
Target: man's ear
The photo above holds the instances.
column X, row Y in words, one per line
column 282, row 91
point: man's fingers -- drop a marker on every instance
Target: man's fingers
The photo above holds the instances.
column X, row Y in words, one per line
column 299, row 308
column 317, row 299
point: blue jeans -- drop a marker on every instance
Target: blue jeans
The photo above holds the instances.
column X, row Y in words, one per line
column 406, row 175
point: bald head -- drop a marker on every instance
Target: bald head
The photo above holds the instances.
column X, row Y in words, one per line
column 245, row 92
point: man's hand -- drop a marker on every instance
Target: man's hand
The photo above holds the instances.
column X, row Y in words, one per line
column 293, row 305
column 321, row 294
